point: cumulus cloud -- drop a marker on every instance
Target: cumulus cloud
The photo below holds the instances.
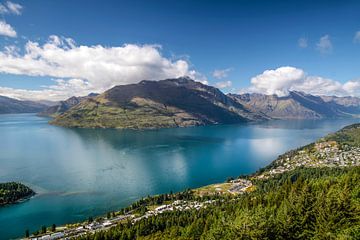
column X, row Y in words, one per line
column 324, row 45
column 284, row 79
column 83, row 69
column 277, row 81
column 6, row 30
column 357, row 37
column 224, row 84
column 62, row 89
column 303, row 43
column 221, row 73
column 352, row 87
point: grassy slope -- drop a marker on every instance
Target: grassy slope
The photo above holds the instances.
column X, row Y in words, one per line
column 97, row 113
column 349, row 135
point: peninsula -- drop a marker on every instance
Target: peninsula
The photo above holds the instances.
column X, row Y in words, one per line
column 12, row 192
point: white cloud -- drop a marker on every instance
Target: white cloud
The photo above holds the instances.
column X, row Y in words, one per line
column 10, row 8
column 352, row 87
column 14, row 8
column 6, row 30
column 3, row 9
column 320, row 86
column 324, row 45
column 221, row 73
column 357, row 37
column 303, row 43
column 224, row 84
column 62, row 89
column 284, row 79
column 89, row 68
column 277, row 81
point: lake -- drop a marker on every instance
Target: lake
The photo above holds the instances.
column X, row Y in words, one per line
column 79, row 173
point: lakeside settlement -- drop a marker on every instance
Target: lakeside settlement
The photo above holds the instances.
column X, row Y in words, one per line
column 327, row 152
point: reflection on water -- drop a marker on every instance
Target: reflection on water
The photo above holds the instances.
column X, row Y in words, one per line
column 86, row 172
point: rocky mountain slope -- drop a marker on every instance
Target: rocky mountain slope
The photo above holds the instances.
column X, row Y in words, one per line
column 10, row 105
column 63, row 106
column 298, row 105
column 157, row 104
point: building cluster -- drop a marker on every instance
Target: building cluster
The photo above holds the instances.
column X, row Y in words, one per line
column 53, row 236
column 240, row 186
column 179, row 205
column 69, row 233
column 326, row 153
column 92, row 227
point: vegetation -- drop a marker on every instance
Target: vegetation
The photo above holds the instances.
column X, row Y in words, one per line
column 307, row 203
column 12, row 192
column 349, row 135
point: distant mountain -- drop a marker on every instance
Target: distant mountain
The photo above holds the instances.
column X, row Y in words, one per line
column 157, row 104
column 298, row 105
column 10, row 105
column 63, row 106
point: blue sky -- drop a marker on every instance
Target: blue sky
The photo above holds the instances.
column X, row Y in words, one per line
column 240, row 39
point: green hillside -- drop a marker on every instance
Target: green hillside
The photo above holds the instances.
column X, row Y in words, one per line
column 12, row 192
column 318, row 203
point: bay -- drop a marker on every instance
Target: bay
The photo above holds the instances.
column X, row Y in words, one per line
column 79, row 173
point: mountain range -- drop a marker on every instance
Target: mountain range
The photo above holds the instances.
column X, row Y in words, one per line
column 181, row 102
column 299, row 105
column 10, row 105
column 65, row 105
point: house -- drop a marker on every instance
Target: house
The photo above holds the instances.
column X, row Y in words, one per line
column 57, row 235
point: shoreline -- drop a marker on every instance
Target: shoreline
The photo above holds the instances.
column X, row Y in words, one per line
column 329, row 154
column 25, row 198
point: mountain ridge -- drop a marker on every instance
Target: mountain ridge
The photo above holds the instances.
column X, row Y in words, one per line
column 65, row 105
column 11, row 105
column 182, row 102
column 177, row 102
column 299, row 105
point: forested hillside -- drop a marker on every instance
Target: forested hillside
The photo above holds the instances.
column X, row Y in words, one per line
column 307, row 203
column 11, row 192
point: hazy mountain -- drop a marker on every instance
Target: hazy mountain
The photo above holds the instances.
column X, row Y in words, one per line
column 63, row 106
column 156, row 104
column 10, row 105
column 298, row 105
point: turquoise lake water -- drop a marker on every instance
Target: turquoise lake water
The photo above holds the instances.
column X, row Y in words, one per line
column 79, row 173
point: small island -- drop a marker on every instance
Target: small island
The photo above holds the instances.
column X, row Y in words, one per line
column 13, row 192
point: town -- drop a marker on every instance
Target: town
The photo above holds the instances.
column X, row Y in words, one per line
column 321, row 154
column 102, row 224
